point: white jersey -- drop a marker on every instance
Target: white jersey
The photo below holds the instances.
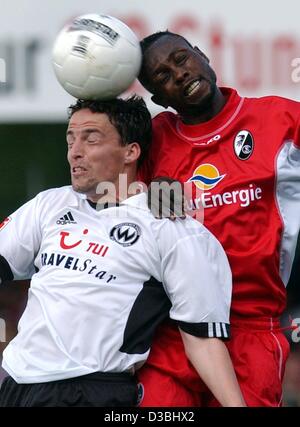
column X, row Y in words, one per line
column 101, row 282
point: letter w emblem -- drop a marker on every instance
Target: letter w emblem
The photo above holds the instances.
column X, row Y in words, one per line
column 125, row 234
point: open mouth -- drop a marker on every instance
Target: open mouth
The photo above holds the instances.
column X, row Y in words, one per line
column 192, row 88
column 78, row 170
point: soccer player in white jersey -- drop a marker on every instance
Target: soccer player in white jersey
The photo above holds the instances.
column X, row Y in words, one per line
column 104, row 275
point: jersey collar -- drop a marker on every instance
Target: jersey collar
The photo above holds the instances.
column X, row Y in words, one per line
column 194, row 133
column 138, row 201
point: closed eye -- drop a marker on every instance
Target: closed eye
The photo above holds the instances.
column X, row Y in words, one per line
column 92, row 136
column 70, row 139
column 162, row 77
column 180, row 59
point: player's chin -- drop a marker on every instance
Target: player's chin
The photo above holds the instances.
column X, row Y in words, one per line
column 204, row 96
column 204, row 103
column 79, row 187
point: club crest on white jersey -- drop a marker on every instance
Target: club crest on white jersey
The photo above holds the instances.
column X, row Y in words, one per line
column 126, row 233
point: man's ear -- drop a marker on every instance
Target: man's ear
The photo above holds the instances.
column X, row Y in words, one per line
column 159, row 101
column 201, row 53
column 133, row 152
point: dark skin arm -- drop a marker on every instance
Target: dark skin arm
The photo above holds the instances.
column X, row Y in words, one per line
column 166, row 198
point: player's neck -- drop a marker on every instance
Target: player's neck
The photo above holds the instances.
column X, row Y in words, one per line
column 194, row 117
column 116, row 192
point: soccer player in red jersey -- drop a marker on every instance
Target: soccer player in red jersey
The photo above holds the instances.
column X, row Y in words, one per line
column 243, row 155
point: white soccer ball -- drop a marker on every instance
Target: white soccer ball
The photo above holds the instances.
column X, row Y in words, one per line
column 96, row 57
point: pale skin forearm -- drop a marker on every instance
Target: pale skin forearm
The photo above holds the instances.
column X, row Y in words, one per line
column 211, row 359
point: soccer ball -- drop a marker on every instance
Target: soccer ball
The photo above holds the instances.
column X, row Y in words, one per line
column 96, row 57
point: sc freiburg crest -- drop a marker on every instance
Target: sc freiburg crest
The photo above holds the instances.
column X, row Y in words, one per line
column 243, row 145
column 126, row 234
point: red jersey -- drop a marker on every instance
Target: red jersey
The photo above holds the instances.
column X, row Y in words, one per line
column 246, row 161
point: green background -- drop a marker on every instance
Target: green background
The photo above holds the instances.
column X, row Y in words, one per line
column 32, row 159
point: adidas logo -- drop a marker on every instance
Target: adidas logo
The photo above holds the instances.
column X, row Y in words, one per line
column 66, row 219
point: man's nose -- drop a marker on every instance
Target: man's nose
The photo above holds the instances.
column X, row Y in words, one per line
column 77, row 149
column 180, row 75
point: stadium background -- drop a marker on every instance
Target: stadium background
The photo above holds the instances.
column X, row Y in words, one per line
column 251, row 46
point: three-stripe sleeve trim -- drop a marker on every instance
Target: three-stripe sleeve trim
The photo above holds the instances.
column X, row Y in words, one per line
column 207, row 330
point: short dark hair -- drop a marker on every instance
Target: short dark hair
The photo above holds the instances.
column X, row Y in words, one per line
column 130, row 117
column 145, row 44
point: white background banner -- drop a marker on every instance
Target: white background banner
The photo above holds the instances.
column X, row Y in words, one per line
column 251, row 45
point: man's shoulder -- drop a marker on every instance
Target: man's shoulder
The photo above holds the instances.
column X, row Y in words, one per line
column 163, row 126
column 165, row 234
column 178, row 229
column 56, row 191
column 273, row 103
column 137, row 206
column 164, row 118
column 57, row 196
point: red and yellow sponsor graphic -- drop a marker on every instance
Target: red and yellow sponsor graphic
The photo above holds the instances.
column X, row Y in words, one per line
column 206, row 177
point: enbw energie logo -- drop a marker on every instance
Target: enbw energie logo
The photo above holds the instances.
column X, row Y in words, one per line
column 206, row 177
